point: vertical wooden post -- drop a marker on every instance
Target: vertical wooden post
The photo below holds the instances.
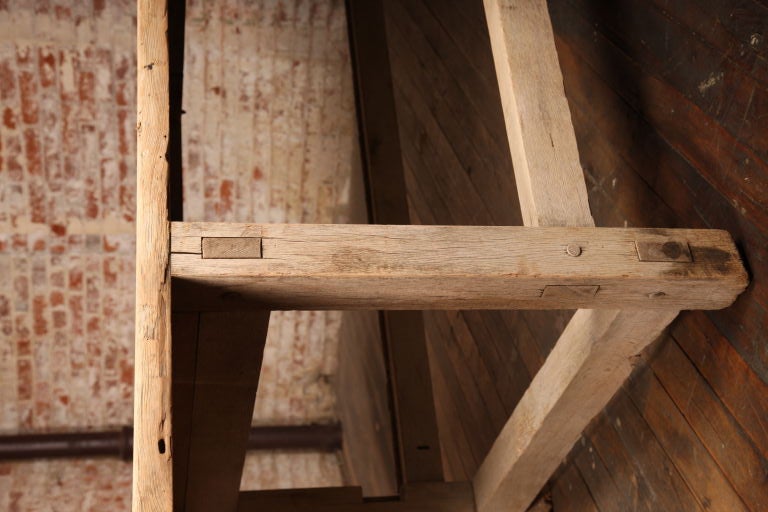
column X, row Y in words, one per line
column 152, row 472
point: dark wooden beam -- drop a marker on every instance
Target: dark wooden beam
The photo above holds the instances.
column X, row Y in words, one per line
column 424, row 497
column 213, row 405
column 415, row 422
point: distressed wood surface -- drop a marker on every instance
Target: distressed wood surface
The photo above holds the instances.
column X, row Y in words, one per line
column 230, row 348
column 226, row 248
column 454, row 267
column 415, row 423
column 542, row 142
column 152, row 464
column 422, row 497
column 591, row 359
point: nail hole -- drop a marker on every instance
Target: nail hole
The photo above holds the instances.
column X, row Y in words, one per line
column 161, row 446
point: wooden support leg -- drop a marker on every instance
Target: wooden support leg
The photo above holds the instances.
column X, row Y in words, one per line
column 230, row 347
column 590, row 361
column 184, row 331
column 593, row 356
column 415, row 428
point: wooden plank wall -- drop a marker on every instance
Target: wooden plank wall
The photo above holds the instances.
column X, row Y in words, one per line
column 667, row 102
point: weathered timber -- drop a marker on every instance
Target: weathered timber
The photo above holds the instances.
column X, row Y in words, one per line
column 453, row 267
column 152, row 467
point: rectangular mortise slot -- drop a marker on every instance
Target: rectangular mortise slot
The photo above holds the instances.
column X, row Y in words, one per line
column 670, row 250
column 569, row 292
column 231, row 248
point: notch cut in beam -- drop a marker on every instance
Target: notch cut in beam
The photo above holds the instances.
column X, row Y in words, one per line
column 455, row 267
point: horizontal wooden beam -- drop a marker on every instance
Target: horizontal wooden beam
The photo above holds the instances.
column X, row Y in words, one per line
column 423, row 497
column 455, row 267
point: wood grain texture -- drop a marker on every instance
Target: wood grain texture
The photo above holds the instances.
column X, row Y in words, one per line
column 415, row 424
column 228, row 364
column 550, row 181
column 152, row 468
column 442, row 267
column 422, row 497
column 231, row 248
column 591, row 358
column 586, row 367
column 363, row 406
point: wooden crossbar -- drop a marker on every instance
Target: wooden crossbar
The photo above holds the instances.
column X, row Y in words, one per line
column 456, row 267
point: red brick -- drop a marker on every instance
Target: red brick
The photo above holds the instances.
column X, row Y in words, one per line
column 75, row 279
column 225, row 194
column 98, row 6
column 126, row 372
column 23, row 347
column 93, row 327
column 6, row 326
column 109, row 246
column 5, row 306
column 57, row 299
column 7, row 81
column 92, row 199
column 28, row 96
column 62, row 12
column 86, row 87
column 122, row 96
column 33, row 152
column 39, row 245
column 59, row 319
column 13, row 154
column 76, row 314
column 25, row 379
column 9, row 118
column 40, row 323
column 47, row 67
column 21, row 289
column 56, row 279
column 110, row 274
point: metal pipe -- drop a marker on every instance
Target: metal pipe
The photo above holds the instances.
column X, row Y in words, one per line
column 119, row 443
